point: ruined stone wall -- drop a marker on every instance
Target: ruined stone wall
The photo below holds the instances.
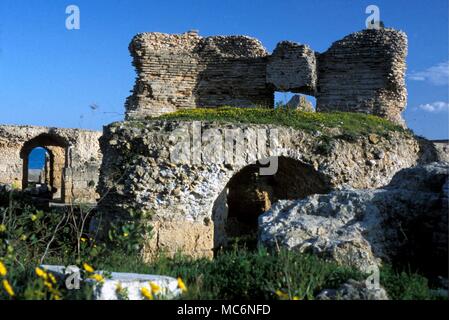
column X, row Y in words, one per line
column 187, row 71
column 187, row 200
column 77, row 157
column 364, row 72
column 54, row 169
column 292, row 67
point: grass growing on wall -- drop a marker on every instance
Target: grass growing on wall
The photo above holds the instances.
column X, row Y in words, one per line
column 349, row 123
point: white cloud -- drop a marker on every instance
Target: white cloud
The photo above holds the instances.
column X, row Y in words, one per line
column 437, row 75
column 437, row 106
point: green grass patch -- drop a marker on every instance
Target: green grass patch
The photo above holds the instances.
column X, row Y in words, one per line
column 406, row 285
column 350, row 123
column 242, row 274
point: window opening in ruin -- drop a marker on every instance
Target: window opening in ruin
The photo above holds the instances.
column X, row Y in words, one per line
column 44, row 162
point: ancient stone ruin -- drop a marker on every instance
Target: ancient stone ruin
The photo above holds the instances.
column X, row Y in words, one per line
column 195, row 205
column 197, row 201
column 201, row 183
column 363, row 72
column 188, row 71
column 72, row 168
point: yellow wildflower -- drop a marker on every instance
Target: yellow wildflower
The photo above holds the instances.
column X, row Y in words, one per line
column 296, row 298
column 3, row 270
column 8, row 288
column 15, row 185
column 83, row 239
column 48, row 284
column 97, row 277
column 57, row 297
column 2, row 228
column 146, row 293
column 125, row 234
column 33, row 217
column 181, row 285
column 281, row 294
column 41, row 273
column 88, row 268
column 23, row 237
column 52, row 277
column 155, row 287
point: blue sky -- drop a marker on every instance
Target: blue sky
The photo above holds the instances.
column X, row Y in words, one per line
column 50, row 75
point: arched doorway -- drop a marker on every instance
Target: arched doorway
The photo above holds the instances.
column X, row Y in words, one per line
column 49, row 183
column 248, row 194
column 40, row 175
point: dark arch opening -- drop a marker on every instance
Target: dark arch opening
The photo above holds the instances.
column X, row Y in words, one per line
column 56, row 150
column 249, row 194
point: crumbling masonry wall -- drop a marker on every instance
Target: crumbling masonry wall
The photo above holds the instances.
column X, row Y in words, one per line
column 363, row 72
column 292, row 67
column 77, row 158
column 186, row 201
column 188, row 71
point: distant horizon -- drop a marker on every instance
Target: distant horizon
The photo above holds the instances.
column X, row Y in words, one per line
column 54, row 77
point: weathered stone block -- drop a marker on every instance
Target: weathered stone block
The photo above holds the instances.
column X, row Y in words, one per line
column 292, row 67
column 192, row 238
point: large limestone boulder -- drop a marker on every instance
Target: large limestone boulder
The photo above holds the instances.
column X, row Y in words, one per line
column 403, row 223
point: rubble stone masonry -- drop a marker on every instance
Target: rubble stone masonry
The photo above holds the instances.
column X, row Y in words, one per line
column 188, row 71
column 363, row 72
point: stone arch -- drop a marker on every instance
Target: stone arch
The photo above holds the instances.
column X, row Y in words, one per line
column 56, row 147
column 248, row 194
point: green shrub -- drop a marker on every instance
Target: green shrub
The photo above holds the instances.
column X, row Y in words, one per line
column 405, row 285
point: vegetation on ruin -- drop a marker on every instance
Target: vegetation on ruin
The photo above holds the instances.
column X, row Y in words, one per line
column 30, row 236
column 350, row 124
